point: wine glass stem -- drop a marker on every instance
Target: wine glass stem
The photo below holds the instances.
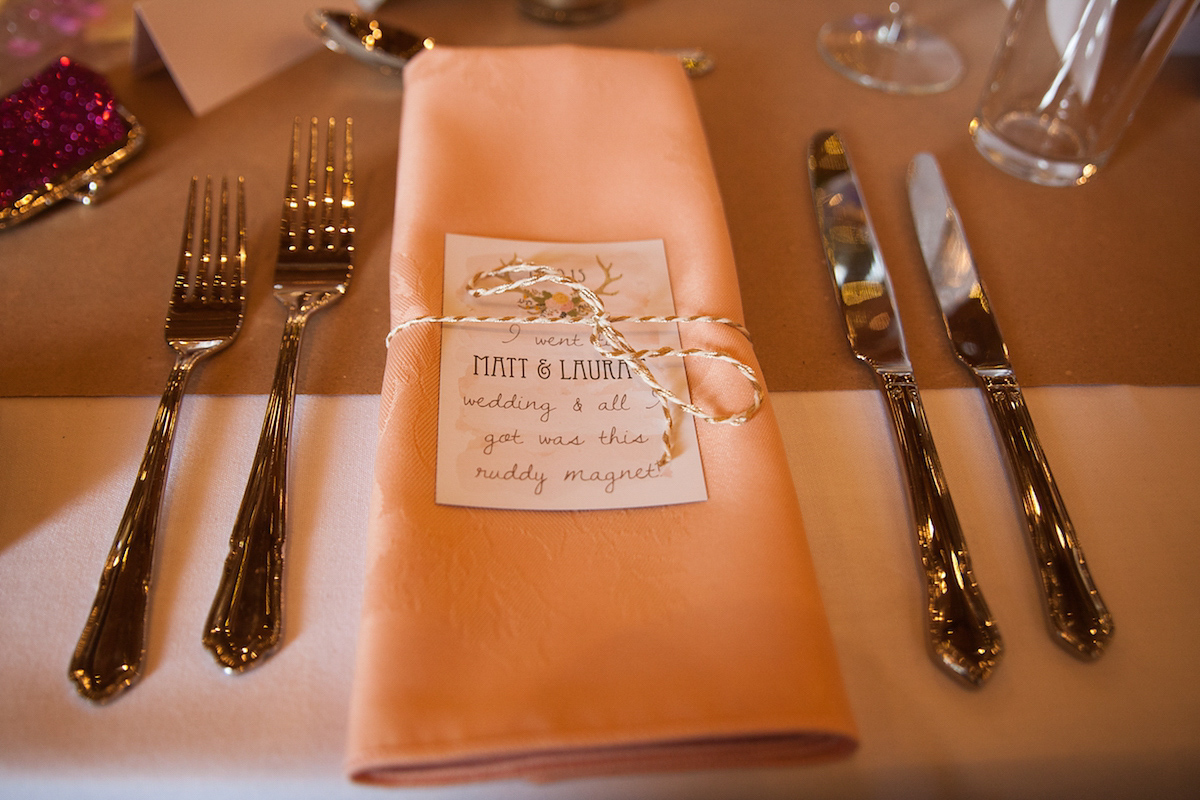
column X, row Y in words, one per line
column 896, row 25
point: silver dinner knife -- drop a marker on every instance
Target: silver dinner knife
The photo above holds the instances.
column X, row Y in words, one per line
column 1081, row 621
column 963, row 635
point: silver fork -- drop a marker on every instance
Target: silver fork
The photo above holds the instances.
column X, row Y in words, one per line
column 203, row 316
column 316, row 258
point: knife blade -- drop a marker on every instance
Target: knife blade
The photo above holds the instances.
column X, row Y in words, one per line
column 962, row 633
column 1078, row 616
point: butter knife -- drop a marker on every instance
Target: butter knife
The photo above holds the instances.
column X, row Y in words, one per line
column 1080, row 620
column 964, row 637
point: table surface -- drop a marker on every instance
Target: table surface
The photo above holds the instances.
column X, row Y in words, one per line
column 1093, row 286
column 1046, row 725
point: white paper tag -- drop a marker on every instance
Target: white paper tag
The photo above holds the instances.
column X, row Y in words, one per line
column 530, row 415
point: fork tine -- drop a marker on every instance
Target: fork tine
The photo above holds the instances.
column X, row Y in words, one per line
column 327, row 238
column 310, row 193
column 182, row 274
column 231, row 259
column 239, row 259
column 289, row 236
column 220, row 279
column 346, row 226
column 202, row 286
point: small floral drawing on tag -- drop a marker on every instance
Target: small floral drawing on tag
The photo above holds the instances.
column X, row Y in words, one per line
column 560, row 304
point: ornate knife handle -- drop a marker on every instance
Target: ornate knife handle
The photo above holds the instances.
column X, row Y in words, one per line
column 1081, row 621
column 245, row 622
column 965, row 638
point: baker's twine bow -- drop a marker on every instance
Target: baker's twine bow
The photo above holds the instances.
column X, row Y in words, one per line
column 608, row 341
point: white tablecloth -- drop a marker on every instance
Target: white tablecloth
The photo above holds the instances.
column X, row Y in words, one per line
column 1127, row 460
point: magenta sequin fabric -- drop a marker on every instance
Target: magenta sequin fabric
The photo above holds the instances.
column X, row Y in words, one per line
column 58, row 122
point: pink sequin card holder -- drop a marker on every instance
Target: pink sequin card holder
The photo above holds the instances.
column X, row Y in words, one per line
column 62, row 133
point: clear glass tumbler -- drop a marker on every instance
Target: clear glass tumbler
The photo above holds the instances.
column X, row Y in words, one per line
column 1066, row 80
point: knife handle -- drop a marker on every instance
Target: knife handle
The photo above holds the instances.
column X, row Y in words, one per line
column 1081, row 621
column 965, row 638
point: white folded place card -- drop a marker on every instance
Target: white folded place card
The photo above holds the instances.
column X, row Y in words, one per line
column 218, row 49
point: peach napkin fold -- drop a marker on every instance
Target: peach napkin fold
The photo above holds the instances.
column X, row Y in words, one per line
column 546, row 644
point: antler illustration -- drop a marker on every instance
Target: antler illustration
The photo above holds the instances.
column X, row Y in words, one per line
column 608, row 278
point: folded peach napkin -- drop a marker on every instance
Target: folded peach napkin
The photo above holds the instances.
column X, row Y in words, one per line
column 554, row 644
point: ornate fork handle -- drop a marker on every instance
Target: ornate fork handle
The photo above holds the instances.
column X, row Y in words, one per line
column 963, row 634
column 245, row 622
column 108, row 657
column 1081, row 621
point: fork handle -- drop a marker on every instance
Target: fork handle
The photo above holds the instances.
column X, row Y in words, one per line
column 1081, row 621
column 108, row 657
column 245, row 622
column 962, row 632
